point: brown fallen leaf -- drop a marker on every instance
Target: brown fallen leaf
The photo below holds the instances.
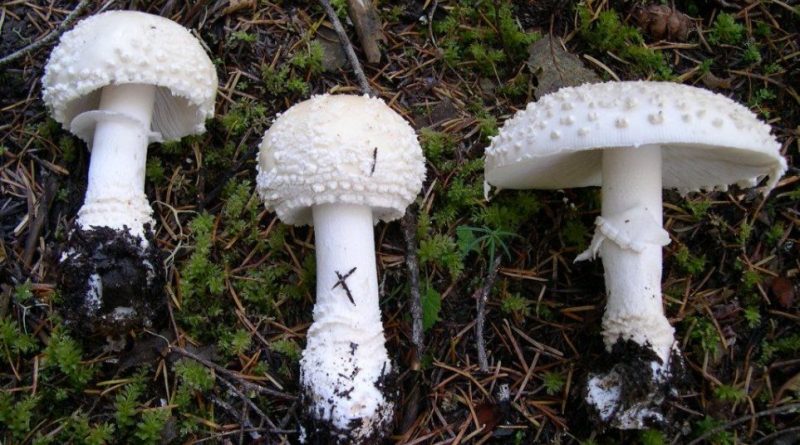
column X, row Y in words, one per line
column 488, row 414
column 661, row 21
column 555, row 68
column 236, row 5
column 782, row 289
column 717, row 83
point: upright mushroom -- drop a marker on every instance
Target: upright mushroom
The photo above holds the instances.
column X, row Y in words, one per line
column 633, row 138
column 342, row 163
column 120, row 80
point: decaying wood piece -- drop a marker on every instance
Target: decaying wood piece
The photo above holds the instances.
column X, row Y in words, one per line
column 368, row 26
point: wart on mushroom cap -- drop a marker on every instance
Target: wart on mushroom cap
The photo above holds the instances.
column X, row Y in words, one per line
column 343, row 163
column 626, row 136
column 120, row 80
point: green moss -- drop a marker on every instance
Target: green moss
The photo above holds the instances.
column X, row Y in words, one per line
column 553, row 382
column 725, row 30
column 606, row 32
column 441, row 250
column 515, row 305
column 689, row 263
column 652, row 437
column 483, row 35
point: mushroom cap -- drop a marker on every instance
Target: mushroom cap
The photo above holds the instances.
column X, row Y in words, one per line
column 122, row 47
column 341, row 149
column 708, row 141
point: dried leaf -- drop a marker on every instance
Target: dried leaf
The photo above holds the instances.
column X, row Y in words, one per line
column 783, row 290
column 661, row 21
column 555, row 68
column 236, row 5
column 488, row 414
column 717, row 83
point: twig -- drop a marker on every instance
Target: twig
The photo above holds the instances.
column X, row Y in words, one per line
column 368, row 27
column 49, row 37
column 483, row 296
column 348, row 48
column 767, row 412
column 409, row 224
column 244, row 422
column 41, row 215
column 231, row 375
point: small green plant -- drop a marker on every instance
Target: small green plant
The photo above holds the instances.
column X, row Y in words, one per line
column 652, row 437
column 65, row 355
column 483, row 35
column 753, row 316
column 154, row 172
column 728, row 393
column 699, row 208
column 194, row 376
column 725, row 31
column 553, row 382
column 775, row 234
column 689, row 263
column 235, row 343
column 477, row 239
column 431, row 302
column 126, row 403
column 709, row 423
column 441, row 250
column 750, row 279
column 243, row 115
column 751, row 54
column 288, row 348
column 606, row 32
column 435, row 145
column 148, row 431
column 706, row 335
column 241, row 36
column 745, row 229
column 17, row 416
column 516, row 306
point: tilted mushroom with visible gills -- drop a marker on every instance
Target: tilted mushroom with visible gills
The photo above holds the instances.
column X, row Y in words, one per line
column 120, row 80
column 633, row 138
column 342, row 163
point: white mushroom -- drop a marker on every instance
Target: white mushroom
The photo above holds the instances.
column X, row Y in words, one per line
column 120, row 80
column 633, row 138
column 342, row 163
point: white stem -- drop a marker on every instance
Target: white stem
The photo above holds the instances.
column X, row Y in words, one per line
column 632, row 211
column 115, row 194
column 345, row 356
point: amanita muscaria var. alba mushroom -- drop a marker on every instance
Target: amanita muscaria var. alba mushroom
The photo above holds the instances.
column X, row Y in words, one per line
column 633, row 138
column 342, row 163
column 120, row 80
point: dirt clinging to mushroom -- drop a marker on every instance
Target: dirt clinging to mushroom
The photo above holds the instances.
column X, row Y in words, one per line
column 111, row 281
column 629, row 368
column 318, row 431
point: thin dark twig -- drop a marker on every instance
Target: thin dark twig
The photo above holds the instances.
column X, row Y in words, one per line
column 483, row 296
column 767, row 439
column 767, row 412
column 231, row 375
column 49, row 37
column 348, row 48
column 409, row 224
column 247, row 401
column 41, row 215
column 343, row 282
column 244, row 422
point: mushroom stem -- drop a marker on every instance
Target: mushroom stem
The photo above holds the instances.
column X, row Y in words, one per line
column 115, row 194
column 632, row 215
column 629, row 237
column 345, row 361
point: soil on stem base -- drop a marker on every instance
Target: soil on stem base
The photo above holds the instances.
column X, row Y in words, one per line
column 632, row 387
column 111, row 281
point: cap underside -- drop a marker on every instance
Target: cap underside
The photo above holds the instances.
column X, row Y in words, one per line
column 685, row 167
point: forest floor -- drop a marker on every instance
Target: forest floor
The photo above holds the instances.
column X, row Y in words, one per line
column 223, row 365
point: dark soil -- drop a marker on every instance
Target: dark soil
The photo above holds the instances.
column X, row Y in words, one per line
column 131, row 279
